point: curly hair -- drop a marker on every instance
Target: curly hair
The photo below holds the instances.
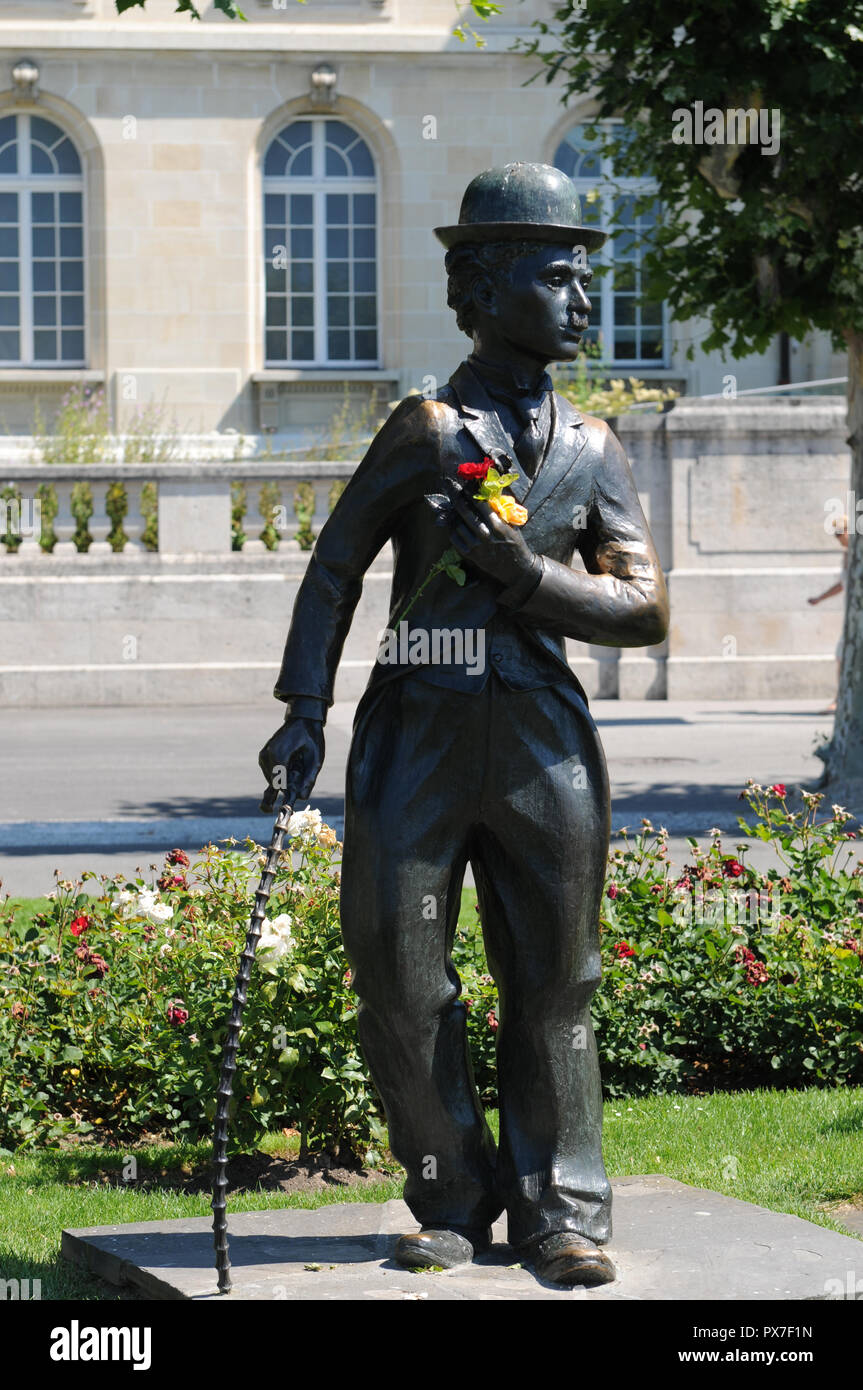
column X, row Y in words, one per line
column 472, row 261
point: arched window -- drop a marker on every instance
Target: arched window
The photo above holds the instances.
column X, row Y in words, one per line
column 631, row 331
column 320, row 247
column 41, row 245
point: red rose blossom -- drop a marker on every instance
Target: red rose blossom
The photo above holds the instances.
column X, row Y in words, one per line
column 491, row 1020
column 778, row 789
column 623, row 950
column 170, row 881
column 475, row 470
column 613, row 890
column 79, row 925
column 732, row 868
column 177, row 1015
column 178, row 856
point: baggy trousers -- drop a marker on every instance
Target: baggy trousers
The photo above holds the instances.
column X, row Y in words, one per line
column 515, row 783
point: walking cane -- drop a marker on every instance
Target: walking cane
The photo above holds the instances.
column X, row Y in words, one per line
column 229, row 1056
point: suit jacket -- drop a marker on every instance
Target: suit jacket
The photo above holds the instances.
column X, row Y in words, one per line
column 582, row 497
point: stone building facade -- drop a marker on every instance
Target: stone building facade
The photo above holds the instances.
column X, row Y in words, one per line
column 235, row 220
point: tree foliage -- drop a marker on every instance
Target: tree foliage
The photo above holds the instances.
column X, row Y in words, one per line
column 757, row 243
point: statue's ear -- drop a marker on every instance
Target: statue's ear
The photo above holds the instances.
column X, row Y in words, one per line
column 485, row 295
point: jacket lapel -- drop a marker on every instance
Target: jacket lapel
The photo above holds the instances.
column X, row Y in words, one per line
column 481, row 421
column 566, row 442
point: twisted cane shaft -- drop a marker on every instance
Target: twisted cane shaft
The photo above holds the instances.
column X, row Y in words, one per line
column 229, row 1056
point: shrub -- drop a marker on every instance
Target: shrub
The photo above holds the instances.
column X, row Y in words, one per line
column 723, row 976
column 113, row 1008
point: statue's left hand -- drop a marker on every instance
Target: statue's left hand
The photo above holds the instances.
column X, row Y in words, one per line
column 492, row 545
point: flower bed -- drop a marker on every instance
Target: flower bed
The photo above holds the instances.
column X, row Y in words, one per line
column 113, row 1008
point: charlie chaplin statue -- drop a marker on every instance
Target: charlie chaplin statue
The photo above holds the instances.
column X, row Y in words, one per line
column 493, row 762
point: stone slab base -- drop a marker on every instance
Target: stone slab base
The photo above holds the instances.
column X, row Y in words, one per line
column 671, row 1241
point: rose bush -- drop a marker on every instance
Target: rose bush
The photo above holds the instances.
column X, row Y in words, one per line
column 126, row 1031
column 723, row 976
column 113, row 1007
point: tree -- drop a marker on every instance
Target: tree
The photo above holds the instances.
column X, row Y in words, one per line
column 756, row 242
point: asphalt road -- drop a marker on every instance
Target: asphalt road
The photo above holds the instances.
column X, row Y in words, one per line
column 110, row 789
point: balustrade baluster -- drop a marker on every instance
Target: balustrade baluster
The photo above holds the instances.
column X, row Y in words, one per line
column 100, row 523
column 134, row 520
column 65, row 524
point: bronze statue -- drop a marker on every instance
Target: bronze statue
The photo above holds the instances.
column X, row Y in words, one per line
column 495, row 762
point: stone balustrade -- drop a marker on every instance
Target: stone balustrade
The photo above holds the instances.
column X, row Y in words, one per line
column 194, row 507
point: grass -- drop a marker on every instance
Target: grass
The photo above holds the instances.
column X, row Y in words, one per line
column 791, row 1151
column 25, row 909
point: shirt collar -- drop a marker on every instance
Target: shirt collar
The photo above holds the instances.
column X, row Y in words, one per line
column 510, row 381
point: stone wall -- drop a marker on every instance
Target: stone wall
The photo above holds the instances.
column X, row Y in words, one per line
column 736, row 494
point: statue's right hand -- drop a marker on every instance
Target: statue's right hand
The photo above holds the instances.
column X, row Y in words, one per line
column 291, row 761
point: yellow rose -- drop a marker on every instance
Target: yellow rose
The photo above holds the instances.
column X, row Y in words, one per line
column 508, row 509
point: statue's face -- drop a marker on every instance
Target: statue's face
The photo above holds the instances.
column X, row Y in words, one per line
column 543, row 312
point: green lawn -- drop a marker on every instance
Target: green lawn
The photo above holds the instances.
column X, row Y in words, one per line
column 791, row 1151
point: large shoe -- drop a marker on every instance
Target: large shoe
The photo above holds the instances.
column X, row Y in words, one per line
column 568, row 1258
column 441, row 1246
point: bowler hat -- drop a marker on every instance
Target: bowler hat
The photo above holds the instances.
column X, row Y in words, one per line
column 521, row 202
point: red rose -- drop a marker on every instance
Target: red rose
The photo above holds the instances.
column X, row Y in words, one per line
column 491, row 1020
column 732, row 868
column 177, row 1015
column 475, row 470
column 79, row 925
column 642, row 1046
column 178, row 856
column 623, row 950
column 778, row 789
column 613, row 890
column 170, row 881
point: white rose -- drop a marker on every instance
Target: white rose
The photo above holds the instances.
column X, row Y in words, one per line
column 276, row 939
column 305, row 824
column 149, row 906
